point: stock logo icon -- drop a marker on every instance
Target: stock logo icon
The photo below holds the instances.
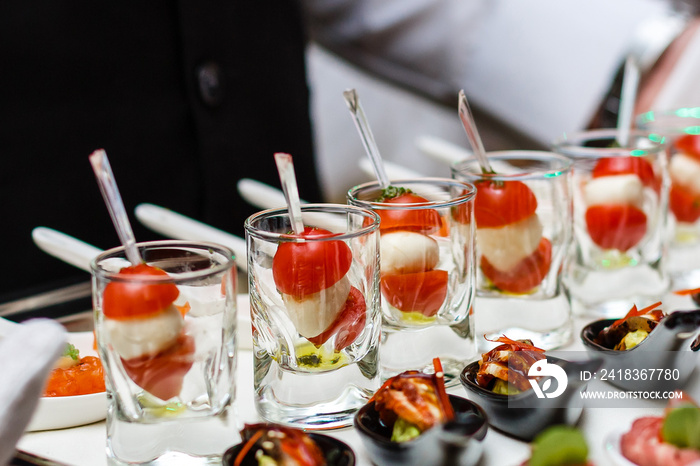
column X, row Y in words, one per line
column 542, row 368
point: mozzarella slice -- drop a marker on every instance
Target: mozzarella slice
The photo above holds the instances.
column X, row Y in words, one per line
column 685, row 171
column 614, row 189
column 408, row 252
column 144, row 336
column 316, row 312
column 504, row 247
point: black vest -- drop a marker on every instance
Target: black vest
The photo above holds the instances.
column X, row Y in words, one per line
column 185, row 96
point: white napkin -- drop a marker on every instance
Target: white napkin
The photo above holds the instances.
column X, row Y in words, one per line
column 28, row 352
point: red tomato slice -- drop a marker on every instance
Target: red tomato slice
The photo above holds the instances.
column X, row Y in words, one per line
column 616, row 226
column 349, row 323
column 122, row 300
column 500, row 203
column 689, row 144
column 421, row 220
column 626, row 166
column 301, row 269
column 162, row 375
column 526, row 275
column 422, row 292
column 684, row 205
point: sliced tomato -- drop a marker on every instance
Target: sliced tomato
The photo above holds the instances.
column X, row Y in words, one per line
column 125, row 300
column 349, row 323
column 689, row 144
column 616, row 226
column 684, row 204
column 526, row 274
column 421, row 220
column 500, row 203
column 422, row 292
column 162, row 375
column 301, row 269
column 626, row 166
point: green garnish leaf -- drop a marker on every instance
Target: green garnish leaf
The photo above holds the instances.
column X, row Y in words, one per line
column 404, row 431
column 391, row 192
column 502, row 387
column 72, row 352
column 558, row 446
column 681, row 427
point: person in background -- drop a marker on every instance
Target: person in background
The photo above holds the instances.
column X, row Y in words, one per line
column 187, row 97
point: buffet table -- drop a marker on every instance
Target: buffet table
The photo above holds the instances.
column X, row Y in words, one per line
column 85, row 445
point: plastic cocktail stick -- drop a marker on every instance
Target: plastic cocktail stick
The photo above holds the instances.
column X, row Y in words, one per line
column 465, row 114
column 370, row 145
column 115, row 205
column 630, row 82
column 285, row 167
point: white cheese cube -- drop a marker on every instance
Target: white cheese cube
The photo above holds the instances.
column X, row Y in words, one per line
column 408, row 252
column 504, row 247
column 614, row 189
column 137, row 337
column 316, row 312
column 685, row 171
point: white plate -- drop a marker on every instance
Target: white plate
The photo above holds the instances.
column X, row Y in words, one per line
column 612, row 448
column 69, row 411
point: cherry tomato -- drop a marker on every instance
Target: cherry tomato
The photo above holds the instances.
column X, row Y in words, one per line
column 124, row 300
column 422, row 292
column 626, row 166
column 162, row 375
column 500, row 203
column 421, row 220
column 616, row 226
column 301, row 269
column 349, row 323
column 684, row 205
column 83, row 378
column 526, row 274
column 689, row 144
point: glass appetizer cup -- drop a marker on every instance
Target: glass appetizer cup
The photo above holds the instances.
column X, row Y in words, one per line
column 315, row 314
column 620, row 222
column 166, row 334
column 427, row 272
column 680, row 129
column 523, row 230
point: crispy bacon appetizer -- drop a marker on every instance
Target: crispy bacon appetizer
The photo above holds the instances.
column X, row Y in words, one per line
column 504, row 369
column 629, row 331
column 274, row 445
column 413, row 402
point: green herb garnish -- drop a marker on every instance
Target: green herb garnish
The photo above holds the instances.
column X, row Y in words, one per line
column 391, row 192
column 71, row 352
column 404, row 431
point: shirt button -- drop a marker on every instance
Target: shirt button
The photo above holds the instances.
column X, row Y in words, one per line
column 209, row 81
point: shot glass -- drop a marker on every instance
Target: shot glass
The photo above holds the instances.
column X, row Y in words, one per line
column 315, row 314
column 427, row 272
column 166, row 334
column 620, row 222
column 523, row 218
column 680, row 128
